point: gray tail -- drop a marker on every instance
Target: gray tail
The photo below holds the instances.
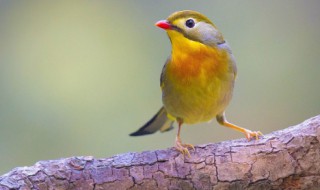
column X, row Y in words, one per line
column 158, row 122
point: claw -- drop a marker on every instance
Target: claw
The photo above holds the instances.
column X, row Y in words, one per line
column 189, row 146
column 183, row 148
column 252, row 134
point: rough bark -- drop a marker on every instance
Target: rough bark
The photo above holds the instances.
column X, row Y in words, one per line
column 286, row 159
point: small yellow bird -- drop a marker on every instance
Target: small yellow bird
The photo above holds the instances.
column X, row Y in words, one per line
column 197, row 79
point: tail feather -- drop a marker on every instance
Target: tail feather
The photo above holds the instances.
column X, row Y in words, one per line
column 158, row 122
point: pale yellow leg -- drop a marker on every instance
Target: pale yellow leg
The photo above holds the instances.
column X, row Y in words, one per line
column 181, row 147
column 248, row 133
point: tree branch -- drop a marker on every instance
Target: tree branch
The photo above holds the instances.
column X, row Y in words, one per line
column 285, row 159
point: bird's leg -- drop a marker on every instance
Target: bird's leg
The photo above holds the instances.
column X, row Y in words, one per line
column 248, row 133
column 183, row 148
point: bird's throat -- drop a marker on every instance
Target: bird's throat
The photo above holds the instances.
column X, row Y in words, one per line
column 191, row 59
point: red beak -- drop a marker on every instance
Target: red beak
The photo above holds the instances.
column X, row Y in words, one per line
column 163, row 24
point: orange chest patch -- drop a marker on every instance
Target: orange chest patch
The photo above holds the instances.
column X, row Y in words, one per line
column 200, row 63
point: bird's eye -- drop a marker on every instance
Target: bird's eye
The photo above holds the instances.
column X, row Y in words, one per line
column 190, row 23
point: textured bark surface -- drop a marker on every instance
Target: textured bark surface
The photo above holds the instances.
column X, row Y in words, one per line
column 286, row 159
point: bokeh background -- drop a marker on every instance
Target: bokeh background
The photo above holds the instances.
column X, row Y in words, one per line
column 76, row 77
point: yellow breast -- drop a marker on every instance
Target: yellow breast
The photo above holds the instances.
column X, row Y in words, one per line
column 197, row 84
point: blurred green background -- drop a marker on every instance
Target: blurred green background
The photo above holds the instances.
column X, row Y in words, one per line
column 76, row 77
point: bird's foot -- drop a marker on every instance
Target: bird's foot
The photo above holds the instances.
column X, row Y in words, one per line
column 252, row 134
column 182, row 147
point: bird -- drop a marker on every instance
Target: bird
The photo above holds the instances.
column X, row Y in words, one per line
column 197, row 80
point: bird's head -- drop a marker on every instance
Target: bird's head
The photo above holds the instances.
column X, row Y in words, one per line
column 193, row 26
